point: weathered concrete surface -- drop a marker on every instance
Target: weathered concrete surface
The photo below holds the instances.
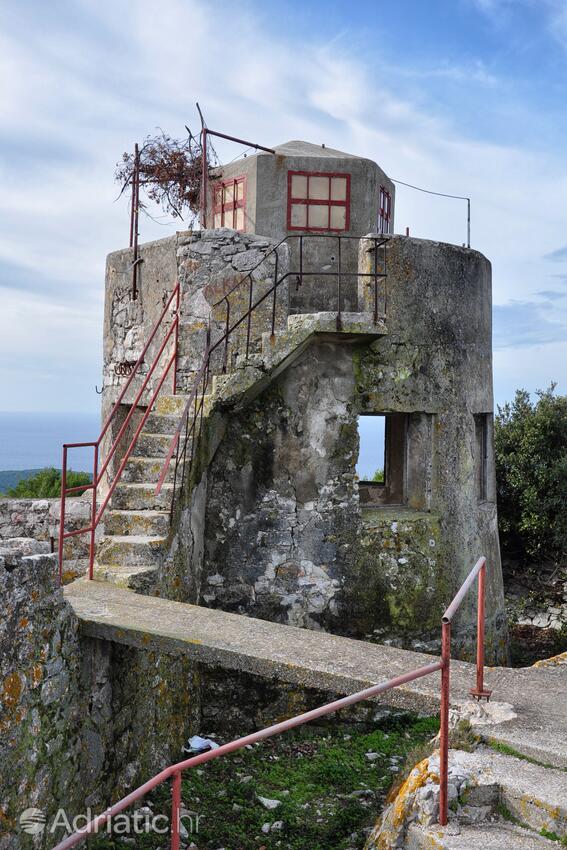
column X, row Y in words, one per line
column 323, row 661
column 487, row 836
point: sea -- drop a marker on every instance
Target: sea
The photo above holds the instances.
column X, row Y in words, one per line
column 34, row 440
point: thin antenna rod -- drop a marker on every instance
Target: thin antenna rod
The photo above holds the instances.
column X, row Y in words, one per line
column 443, row 195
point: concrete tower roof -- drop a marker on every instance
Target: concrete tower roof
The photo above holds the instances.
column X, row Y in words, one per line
column 303, row 149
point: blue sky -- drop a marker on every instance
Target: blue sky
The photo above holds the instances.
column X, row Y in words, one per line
column 461, row 96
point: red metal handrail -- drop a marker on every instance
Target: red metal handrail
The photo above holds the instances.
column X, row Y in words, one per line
column 174, row 771
column 202, row 374
column 96, row 516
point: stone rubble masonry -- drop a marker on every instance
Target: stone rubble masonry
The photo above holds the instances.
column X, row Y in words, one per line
column 39, row 519
column 74, row 729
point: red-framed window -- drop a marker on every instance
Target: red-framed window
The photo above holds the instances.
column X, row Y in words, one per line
column 318, row 200
column 385, row 211
column 229, row 202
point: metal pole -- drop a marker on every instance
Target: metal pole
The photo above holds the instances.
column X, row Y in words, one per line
column 62, row 512
column 375, row 282
column 93, row 517
column 275, row 295
column 444, row 730
column 136, row 211
column 176, row 340
column 468, row 222
column 175, row 805
column 479, row 692
column 339, row 294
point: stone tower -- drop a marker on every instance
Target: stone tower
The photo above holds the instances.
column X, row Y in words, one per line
column 349, row 321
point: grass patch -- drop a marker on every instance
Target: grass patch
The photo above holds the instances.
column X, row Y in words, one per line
column 329, row 791
column 506, row 750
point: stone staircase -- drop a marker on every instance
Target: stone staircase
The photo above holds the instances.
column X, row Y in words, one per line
column 136, row 527
column 496, row 801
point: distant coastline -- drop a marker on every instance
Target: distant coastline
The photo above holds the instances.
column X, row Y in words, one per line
column 32, row 441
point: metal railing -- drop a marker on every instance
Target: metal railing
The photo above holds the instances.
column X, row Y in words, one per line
column 175, row 771
column 97, row 474
column 190, row 423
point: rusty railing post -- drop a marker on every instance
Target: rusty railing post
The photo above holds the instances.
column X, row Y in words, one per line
column 480, row 691
column 275, row 295
column 375, row 281
column 175, row 806
column 176, row 338
column 339, row 293
column 62, row 512
column 444, row 726
column 93, row 518
column 134, row 231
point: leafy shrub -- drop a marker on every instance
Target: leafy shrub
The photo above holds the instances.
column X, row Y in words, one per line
column 46, row 484
column 531, row 473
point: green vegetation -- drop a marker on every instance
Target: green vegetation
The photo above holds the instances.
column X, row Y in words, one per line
column 378, row 476
column 531, row 472
column 46, row 484
column 552, row 836
column 327, row 787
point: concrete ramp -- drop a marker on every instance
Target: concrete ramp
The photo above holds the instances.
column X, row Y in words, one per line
column 535, row 723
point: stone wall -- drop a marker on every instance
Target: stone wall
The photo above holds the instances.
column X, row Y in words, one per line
column 81, row 721
column 39, row 519
column 40, row 692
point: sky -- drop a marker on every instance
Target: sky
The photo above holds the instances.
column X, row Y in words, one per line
column 459, row 96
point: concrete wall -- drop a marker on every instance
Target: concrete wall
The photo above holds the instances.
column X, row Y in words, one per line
column 285, row 535
column 266, row 214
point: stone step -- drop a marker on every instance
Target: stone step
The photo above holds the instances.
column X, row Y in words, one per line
column 152, row 445
column 161, row 423
column 127, row 522
column 140, row 579
column 485, row 836
column 534, row 795
column 130, row 550
column 167, row 405
column 146, row 470
column 141, row 497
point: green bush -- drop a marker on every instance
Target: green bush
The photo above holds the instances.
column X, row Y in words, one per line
column 46, row 484
column 531, row 474
column 378, row 476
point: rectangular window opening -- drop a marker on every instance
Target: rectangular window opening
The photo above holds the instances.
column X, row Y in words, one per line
column 381, row 466
column 318, row 201
column 385, row 211
column 229, row 203
column 483, row 423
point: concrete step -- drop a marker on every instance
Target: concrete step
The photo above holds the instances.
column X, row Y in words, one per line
column 141, row 497
column 146, row 522
column 485, row 836
column 132, row 550
column 146, row 470
column 152, row 445
column 161, row 423
column 534, row 795
column 140, row 579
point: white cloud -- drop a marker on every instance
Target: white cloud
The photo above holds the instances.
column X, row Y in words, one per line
column 84, row 86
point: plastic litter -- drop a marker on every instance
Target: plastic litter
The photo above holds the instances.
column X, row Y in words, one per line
column 196, row 744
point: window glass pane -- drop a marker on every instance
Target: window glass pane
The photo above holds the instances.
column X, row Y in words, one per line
column 217, row 220
column 239, row 190
column 338, row 218
column 319, row 188
column 298, row 186
column 298, row 215
column 229, row 193
column 240, row 219
column 319, row 215
column 338, row 188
